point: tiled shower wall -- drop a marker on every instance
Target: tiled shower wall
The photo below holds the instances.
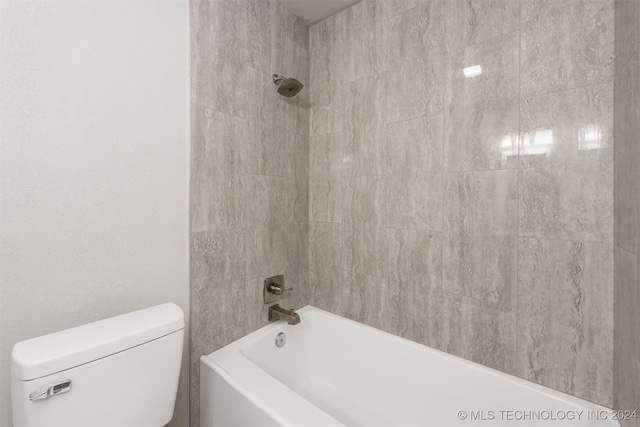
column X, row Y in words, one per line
column 626, row 360
column 249, row 182
column 472, row 214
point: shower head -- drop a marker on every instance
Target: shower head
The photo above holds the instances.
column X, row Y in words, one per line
column 288, row 87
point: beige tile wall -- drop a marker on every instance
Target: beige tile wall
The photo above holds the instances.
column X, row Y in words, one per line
column 249, row 182
column 473, row 215
column 626, row 360
column 470, row 214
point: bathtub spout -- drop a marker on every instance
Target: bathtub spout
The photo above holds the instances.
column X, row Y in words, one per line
column 278, row 313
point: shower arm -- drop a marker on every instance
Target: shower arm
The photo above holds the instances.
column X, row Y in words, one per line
column 278, row 79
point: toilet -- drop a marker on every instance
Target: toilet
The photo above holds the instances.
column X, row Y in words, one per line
column 121, row 371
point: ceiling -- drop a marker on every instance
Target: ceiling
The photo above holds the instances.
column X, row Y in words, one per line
column 312, row 11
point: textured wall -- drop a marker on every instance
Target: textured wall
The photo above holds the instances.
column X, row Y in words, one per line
column 94, row 167
column 249, row 169
column 470, row 214
column 626, row 362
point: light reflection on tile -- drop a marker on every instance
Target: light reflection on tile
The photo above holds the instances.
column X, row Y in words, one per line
column 481, row 114
column 566, row 180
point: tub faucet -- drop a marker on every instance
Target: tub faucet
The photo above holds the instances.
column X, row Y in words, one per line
column 278, row 313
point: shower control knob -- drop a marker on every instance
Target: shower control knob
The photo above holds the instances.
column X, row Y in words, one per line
column 274, row 289
column 277, row 290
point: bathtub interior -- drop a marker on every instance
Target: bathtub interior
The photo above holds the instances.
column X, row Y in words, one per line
column 364, row 377
column 304, row 365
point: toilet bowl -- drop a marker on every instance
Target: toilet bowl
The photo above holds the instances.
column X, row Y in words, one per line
column 121, row 371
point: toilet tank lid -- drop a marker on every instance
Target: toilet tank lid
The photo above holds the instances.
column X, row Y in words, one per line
column 48, row 354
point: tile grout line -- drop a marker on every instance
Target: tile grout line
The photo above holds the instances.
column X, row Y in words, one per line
column 566, row 89
column 554, row 239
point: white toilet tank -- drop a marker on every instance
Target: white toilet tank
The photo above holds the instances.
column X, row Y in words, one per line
column 121, row 371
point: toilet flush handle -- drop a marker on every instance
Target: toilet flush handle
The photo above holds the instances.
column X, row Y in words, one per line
column 51, row 390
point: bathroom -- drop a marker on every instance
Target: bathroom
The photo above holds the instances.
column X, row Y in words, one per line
column 459, row 173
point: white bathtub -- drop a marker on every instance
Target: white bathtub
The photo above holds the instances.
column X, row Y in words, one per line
column 336, row 372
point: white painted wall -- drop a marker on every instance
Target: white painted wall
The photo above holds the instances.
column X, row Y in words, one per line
column 94, row 165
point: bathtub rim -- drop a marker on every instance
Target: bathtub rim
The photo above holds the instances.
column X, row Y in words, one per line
column 245, row 369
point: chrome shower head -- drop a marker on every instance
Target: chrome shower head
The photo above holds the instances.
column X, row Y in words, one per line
column 288, row 87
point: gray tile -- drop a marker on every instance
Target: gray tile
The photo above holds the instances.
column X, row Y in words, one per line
column 566, row 44
column 363, row 232
column 269, row 200
column 303, row 112
column 324, row 75
column 289, row 259
column 627, row 31
column 272, row 130
column 289, row 44
column 414, row 202
column 367, row 299
column 416, row 36
column 326, row 115
column 414, row 178
column 565, row 317
column 297, row 264
column 363, row 149
column 350, row 301
column 391, row 9
column 481, row 113
column 217, row 170
column 363, row 140
column 325, row 197
column 626, row 350
column 322, row 33
column 480, row 235
column 219, row 27
column 626, row 309
column 566, row 177
column 217, row 282
column 325, row 118
column 260, row 19
column 363, row 33
column 415, row 90
column 415, row 62
column 414, row 147
column 327, row 71
column 476, row 21
column 265, row 252
column 250, row 168
column 325, row 261
column 482, row 332
column 423, row 317
column 630, row 422
column 325, row 154
column 415, row 258
column 375, row 71
column 301, row 177
column 626, row 130
column 257, row 311
column 414, row 271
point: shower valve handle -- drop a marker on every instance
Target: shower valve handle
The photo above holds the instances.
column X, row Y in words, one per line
column 274, row 289
column 277, row 290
